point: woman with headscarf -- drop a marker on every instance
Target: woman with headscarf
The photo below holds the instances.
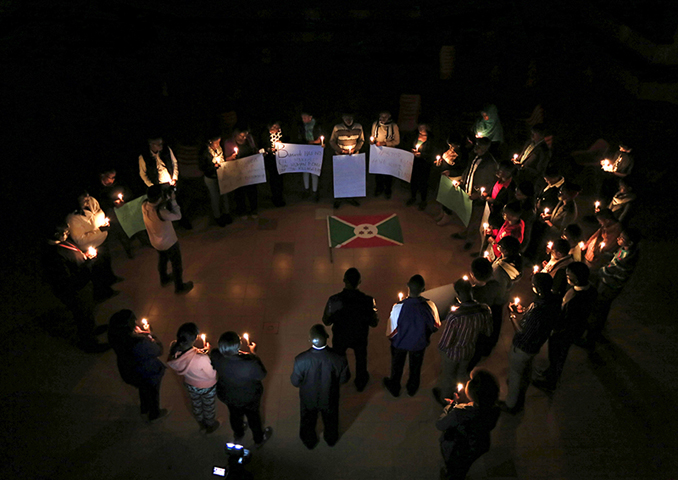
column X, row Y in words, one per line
column 489, row 126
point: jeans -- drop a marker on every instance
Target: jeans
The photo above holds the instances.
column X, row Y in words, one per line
column 398, row 363
column 173, row 256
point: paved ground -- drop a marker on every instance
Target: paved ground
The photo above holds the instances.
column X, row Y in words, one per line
column 69, row 415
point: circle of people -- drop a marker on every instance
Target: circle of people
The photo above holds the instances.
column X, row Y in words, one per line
column 522, row 210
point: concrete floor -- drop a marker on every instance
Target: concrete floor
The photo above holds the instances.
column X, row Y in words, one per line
column 69, row 415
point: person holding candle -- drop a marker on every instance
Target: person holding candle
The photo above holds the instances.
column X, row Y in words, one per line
column 200, row 379
column 211, row 158
column 532, row 331
column 513, row 226
column 577, row 305
column 158, row 166
column 489, row 126
column 137, row 351
column 623, row 201
column 573, row 235
column 239, row 377
column 459, row 338
column 560, row 258
column 66, row 269
column 410, row 326
column 546, row 201
column 502, row 193
column 269, row 142
column 525, row 195
column 351, row 314
column 88, row 227
column 347, row 138
column 423, row 150
column 452, row 165
column 602, row 244
column 241, row 145
column 611, row 281
column 486, row 290
column 565, row 212
column 619, row 167
column 318, row 374
column 466, row 426
column 480, row 173
column 310, row 133
column 386, row 134
column 508, row 268
column 113, row 195
column 159, row 213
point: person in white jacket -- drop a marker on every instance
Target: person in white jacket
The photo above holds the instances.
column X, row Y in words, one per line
column 200, row 379
column 159, row 213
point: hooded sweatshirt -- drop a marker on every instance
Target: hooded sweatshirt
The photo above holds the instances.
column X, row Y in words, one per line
column 195, row 367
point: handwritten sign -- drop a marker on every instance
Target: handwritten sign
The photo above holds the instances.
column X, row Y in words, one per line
column 238, row 173
column 291, row 158
column 455, row 199
column 349, row 176
column 391, row 161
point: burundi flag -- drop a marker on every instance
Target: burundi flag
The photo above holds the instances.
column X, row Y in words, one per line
column 364, row 231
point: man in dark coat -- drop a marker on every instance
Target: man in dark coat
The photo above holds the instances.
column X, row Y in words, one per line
column 239, row 386
column 318, row 372
column 351, row 314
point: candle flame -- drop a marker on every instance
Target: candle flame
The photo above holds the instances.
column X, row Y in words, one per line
column 92, row 252
column 235, row 150
column 546, row 211
column 465, row 278
column 482, row 189
column 486, row 254
column 204, row 338
column 536, row 269
column 602, row 245
column 515, row 156
column 582, row 245
column 486, row 225
column 597, row 204
column 453, row 308
column 144, row 323
column 516, row 301
column 549, row 245
column 120, row 196
column 372, row 139
column 460, row 387
column 455, row 183
column 400, row 296
column 437, row 157
column 246, row 337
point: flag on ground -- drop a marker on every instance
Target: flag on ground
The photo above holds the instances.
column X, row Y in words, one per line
column 363, row 231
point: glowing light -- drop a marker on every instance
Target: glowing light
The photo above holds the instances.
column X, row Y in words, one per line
column 453, row 308
column 246, row 337
column 516, row 301
column 322, row 140
column 602, row 245
column 119, row 196
column 597, row 204
column 486, row 254
column 455, row 183
column 482, row 190
column 486, row 225
column 549, row 245
column 91, row 252
column 465, row 278
column 582, row 245
column 460, row 387
column 371, row 139
column 546, row 211
column 235, row 150
column 145, row 324
column 204, row 340
column 535, row 269
column 400, row 296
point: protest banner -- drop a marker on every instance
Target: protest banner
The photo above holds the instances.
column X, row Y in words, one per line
column 455, row 199
column 349, row 176
column 391, row 161
column 130, row 217
column 243, row 171
column 291, row 158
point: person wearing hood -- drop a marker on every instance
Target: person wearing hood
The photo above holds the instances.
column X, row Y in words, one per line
column 200, row 378
column 385, row 133
column 489, row 126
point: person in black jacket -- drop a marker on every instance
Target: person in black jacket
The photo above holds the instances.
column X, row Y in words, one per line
column 318, row 373
column 269, row 142
column 351, row 314
column 578, row 303
column 424, row 157
column 211, row 158
column 310, row 133
column 466, row 427
column 239, row 386
column 137, row 350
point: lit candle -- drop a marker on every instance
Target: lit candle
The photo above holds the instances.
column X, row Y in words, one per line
column 91, row 252
column 602, row 245
column 549, row 245
column 145, row 324
column 515, row 156
column 486, row 225
column 516, row 301
column 119, row 196
column 350, row 149
column 535, row 269
column 322, row 140
column 597, row 204
column 582, row 245
column 371, row 139
column 546, row 211
column 204, row 340
column 465, row 278
column 278, row 145
column 400, row 296
column 455, row 183
column 235, row 150
column 416, row 148
column 486, row 254
column 453, row 308
column 107, row 221
column 482, row 190
column 460, row 387
column 247, row 338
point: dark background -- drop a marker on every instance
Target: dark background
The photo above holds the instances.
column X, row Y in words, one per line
column 84, row 83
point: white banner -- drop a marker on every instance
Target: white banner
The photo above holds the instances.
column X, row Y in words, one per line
column 349, row 176
column 238, row 173
column 391, row 161
column 291, row 158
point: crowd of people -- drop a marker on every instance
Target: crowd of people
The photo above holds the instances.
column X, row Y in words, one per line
column 524, row 222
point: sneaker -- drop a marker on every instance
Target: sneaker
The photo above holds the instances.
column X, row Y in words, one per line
column 163, row 413
column 212, row 428
column 184, row 289
column 391, row 390
column 268, row 432
column 411, row 201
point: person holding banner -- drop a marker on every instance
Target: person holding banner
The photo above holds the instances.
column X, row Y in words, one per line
column 242, row 145
column 309, row 133
column 421, row 167
column 210, row 160
column 269, row 142
column 479, row 174
column 347, row 138
column 385, row 133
